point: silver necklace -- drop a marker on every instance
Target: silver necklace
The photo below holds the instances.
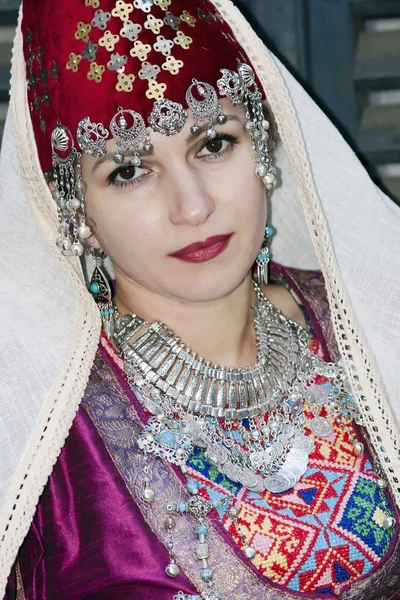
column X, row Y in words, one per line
column 250, row 422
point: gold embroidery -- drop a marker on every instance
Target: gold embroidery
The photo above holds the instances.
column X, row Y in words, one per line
column 109, row 40
column 163, row 4
column 185, row 16
column 172, row 65
column 140, row 50
column 183, row 40
column 82, row 32
column 122, row 10
column 156, row 90
column 125, row 82
column 20, row 584
column 73, row 63
column 96, row 72
column 153, row 24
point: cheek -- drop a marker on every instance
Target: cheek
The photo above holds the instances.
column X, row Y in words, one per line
column 246, row 194
column 114, row 217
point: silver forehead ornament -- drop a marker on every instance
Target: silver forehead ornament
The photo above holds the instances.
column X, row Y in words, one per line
column 92, row 137
column 130, row 134
column 167, row 117
column 206, row 108
column 231, row 86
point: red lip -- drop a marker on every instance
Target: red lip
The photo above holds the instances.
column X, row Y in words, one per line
column 203, row 251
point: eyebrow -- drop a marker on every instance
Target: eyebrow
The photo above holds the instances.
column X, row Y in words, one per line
column 109, row 157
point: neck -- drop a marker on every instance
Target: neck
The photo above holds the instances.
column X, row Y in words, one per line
column 221, row 330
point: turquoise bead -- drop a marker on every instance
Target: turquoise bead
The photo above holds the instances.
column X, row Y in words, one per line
column 206, row 574
column 192, row 487
column 94, row 288
column 215, row 503
column 202, row 529
column 270, row 231
column 182, row 507
column 168, row 438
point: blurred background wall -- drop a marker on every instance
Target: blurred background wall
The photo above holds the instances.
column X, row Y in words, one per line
column 345, row 52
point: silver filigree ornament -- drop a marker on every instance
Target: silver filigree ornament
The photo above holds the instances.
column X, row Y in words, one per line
column 167, row 117
column 69, row 193
column 117, row 62
column 92, row 137
column 130, row 31
column 206, row 107
column 130, row 135
column 231, row 86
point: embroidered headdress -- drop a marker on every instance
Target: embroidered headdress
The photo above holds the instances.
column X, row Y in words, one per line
column 114, row 69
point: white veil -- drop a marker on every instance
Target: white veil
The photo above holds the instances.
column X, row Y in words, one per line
column 327, row 212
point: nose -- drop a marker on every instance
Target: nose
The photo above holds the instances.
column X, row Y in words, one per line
column 189, row 202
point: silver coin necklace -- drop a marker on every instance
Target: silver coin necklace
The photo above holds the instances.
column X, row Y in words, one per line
column 250, row 422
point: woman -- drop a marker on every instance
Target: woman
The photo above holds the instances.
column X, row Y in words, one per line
column 175, row 477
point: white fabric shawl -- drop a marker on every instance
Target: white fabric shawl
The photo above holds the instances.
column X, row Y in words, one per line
column 327, row 212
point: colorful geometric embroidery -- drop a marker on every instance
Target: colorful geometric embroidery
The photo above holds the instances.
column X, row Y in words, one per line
column 319, row 536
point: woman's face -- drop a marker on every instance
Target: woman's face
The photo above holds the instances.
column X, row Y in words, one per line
column 187, row 191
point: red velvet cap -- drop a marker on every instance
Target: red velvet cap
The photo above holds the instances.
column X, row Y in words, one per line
column 86, row 58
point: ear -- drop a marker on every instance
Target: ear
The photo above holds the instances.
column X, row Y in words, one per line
column 93, row 241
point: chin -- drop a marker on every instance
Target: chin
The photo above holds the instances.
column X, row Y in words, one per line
column 208, row 287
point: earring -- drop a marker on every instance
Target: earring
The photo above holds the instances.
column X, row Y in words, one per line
column 263, row 258
column 101, row 292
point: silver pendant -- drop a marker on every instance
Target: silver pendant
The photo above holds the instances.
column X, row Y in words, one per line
column 128, row 130
column 206, row 107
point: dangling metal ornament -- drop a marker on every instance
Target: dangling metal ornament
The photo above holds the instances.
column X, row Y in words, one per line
column 92, row 137
column 129, row 132
column 64, row 160
column 262, row 261
column 101, row 292
column 208, row 108
column 167, row 117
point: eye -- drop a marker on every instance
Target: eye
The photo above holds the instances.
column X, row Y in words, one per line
column 126, row 175
column 217, row 146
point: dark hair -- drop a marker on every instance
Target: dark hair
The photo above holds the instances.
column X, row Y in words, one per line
column 273, row 128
